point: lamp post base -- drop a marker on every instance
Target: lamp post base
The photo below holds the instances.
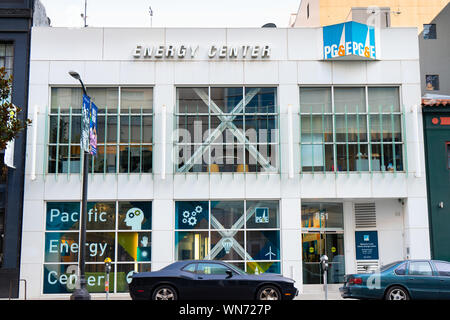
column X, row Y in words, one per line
column 80, row 294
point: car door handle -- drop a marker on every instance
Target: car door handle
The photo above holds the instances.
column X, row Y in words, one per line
column 201, row 278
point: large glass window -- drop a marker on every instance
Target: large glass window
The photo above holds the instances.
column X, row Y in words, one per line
column 243, row 233
column 351, row 129
column 125, row 130
column 118, row 230
column 7, row 57
column 227, row 129
column 429, row 31
column 432, row 82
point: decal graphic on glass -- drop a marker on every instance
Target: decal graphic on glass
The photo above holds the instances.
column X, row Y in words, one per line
column 63, row 215
column 227, row 243
column 106, row 235
column 135, row 215
column 245, row 233
column 262, row 215
column 134, row 218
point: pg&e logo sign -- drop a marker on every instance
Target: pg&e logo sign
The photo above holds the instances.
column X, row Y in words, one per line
column 349, row 41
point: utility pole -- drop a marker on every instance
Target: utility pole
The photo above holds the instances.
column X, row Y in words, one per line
column 84, row 16
column 150, row 11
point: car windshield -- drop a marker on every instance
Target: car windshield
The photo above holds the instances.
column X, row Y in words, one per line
column 388, row 266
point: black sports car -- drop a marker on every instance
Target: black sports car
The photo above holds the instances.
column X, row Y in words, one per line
column 209, row 280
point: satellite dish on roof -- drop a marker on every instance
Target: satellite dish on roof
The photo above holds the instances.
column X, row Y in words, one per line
column 269, row 25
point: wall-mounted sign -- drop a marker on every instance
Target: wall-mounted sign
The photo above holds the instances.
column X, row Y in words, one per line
column 195, row 51
column 366, row 243
column 443, row 121
column 349, row 41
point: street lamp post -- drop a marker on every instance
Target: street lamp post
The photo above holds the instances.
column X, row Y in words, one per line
column 82, row 293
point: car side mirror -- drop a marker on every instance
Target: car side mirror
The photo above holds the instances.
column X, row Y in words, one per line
column 229, row 273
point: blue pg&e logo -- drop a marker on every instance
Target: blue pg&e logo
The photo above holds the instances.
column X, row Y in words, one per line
column 349, row 40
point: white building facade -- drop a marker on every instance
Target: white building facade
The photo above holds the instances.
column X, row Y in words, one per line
column 244, row 145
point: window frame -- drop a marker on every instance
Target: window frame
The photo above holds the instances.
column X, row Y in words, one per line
column 242, row 149
column 244, row 229
column 433, row 27
column 402, row 265
column 420, row 275
column 212, row 262
column 117, row 231
column 11, row 44
column 392, row 143
column 438, row 272
column 435, row 78
column 190, row 264
column 117, row 144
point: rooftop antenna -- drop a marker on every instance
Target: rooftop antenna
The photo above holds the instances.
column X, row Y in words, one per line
column 84, row 16
column 150, row 11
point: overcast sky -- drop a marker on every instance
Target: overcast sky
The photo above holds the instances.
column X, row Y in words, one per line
column 171, row 13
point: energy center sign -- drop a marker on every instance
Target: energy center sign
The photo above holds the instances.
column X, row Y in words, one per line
column 349, row 41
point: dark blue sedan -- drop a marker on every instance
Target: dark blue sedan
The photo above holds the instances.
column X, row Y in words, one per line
column 401, row 280
column 209, row 280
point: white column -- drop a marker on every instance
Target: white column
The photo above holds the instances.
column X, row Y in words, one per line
column 349, row 238
column 291, row 240
column 416, row 228
column 163, row 236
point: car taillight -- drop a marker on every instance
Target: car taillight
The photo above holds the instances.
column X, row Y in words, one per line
column 355, row 281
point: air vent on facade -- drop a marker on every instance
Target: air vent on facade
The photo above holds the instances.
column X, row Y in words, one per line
column 365, row 215
column 366, row 266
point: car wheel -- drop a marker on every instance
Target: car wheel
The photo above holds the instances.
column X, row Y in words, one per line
column 164, row 292
column 269, row 293
column 397, row 293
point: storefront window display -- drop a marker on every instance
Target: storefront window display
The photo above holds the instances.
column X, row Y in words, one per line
column 244, row 233
column 120, row 230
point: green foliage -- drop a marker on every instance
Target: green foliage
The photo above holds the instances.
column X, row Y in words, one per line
column 10, row 124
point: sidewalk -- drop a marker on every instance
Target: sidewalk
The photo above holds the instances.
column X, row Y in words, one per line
column 316, row 292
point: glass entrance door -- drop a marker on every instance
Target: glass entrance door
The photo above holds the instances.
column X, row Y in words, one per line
column 316, row 244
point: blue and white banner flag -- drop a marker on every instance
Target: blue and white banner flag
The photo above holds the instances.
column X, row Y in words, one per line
column 85, row 123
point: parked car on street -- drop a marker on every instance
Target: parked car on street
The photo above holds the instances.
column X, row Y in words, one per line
column 401, row 280
column 209, row 280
